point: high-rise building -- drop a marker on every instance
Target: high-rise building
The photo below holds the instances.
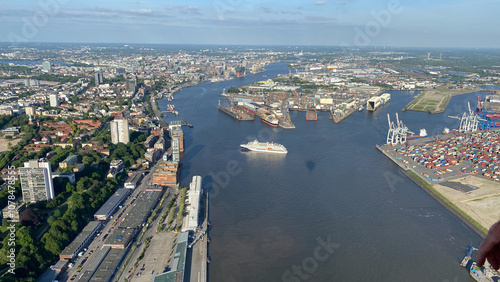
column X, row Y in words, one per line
column 54, row 100
column 98, row 78
column 46, row 66
column 131, row 84
column 36, row 181
column 119, row 131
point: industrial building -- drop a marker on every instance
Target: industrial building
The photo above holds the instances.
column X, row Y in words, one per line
column 120, row 237
column 142, row 207
column 36, row 181
column 85, row 237
column 112, row 204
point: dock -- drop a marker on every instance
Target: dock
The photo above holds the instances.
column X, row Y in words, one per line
column 286, row 122
column 235, row 112
column 187, row 124
column 484, row 273
column 199, row 250
column 338, row 117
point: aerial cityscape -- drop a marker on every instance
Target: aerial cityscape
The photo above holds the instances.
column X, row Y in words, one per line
column 243, row 141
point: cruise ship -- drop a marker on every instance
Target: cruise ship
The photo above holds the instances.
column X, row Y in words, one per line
column 264, row 147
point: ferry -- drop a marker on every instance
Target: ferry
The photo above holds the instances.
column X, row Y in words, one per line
column 264, row 147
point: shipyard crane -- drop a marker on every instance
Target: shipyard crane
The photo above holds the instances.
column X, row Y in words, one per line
column 398, row 132
column 468, row 121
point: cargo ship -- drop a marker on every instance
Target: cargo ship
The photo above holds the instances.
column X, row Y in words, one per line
column 264, row 147
column 422, row 134
column 270, row 120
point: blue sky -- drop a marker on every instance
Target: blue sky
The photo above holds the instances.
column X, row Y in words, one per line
column 423, row 23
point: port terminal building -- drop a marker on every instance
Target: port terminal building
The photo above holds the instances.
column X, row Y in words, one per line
column 193, row 200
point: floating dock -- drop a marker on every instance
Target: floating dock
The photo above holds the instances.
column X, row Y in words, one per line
column 376, row 101
column 340, row 116
column 311, row 115
column 236, row 112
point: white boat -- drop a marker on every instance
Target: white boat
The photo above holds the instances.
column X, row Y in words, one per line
column 264, row 147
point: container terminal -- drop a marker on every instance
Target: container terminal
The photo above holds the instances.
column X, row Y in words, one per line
column 460, row 169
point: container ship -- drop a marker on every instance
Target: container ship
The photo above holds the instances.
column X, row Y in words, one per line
column 270, row 120
column 264, row 147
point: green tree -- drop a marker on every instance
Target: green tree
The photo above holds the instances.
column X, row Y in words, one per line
column 70, row 188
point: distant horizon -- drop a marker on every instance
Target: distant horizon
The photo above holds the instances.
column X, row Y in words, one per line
column 3, row 43
column 343, row 23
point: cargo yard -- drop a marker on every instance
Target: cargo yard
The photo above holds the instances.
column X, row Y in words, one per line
column 464, row 168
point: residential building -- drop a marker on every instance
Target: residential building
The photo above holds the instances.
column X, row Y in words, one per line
column 70, row 160
column 119, row 131
column 46, row 66
column 98, row 78
column 12, row 212
column 36, row 181
column 54, row 100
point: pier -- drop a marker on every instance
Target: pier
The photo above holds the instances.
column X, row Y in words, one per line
column 286, row 121
column 187, row 124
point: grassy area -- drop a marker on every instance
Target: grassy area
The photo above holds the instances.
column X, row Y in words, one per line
column 434, row 101
column 449, row 203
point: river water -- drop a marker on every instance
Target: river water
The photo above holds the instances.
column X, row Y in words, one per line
column 272, row 216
